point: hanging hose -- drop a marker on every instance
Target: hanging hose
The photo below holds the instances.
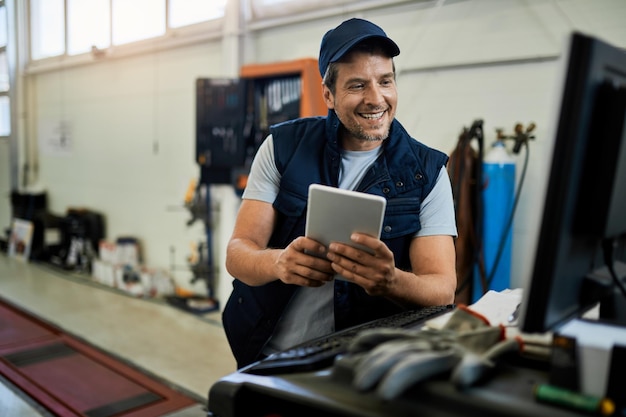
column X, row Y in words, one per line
column 465, row 169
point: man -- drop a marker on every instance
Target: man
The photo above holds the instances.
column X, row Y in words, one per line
column 284, row 295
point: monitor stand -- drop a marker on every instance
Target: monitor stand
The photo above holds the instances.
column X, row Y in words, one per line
column 599, row 287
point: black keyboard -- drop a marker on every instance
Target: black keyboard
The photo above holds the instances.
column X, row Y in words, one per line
column 321, row 352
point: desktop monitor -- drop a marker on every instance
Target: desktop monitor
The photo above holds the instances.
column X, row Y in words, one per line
column 585, row 202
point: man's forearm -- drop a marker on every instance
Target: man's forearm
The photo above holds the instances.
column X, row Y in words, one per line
column 249, row 263
column 423, row 290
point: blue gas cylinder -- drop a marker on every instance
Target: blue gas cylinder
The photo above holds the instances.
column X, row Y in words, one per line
column 498, row 199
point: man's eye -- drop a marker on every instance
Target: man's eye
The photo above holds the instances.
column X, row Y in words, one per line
column 356, row 86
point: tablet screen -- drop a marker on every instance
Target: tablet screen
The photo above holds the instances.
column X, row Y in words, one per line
column 334, row 214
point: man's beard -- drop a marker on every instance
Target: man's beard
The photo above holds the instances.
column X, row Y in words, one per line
column 358, row 133
column 371, row 138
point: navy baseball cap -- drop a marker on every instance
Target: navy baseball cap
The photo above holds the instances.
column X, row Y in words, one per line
column 336, row 42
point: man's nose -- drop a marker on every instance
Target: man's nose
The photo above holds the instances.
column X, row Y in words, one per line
column 374, row 95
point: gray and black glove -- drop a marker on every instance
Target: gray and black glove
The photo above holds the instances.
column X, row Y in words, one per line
column 392, row 360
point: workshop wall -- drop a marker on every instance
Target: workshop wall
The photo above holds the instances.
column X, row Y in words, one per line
column 132, row 119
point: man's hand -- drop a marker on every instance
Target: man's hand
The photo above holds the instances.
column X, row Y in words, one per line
column 298, row 265
column 431, row 280
column 249, row 259
column 375, row 273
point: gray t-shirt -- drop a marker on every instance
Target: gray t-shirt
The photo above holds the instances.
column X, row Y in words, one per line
column 310, row 311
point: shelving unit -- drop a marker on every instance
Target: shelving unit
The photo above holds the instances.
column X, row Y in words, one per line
column 311, row 101
column 233, row 116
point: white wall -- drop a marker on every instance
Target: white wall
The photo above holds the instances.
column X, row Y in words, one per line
column 132, row 127
column 132, row 119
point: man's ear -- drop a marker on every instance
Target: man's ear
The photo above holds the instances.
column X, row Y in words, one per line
column 329, row 99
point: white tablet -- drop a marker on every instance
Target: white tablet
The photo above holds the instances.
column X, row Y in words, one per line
column 334, row 214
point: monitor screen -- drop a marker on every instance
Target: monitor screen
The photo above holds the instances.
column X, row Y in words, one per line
column 586, row 193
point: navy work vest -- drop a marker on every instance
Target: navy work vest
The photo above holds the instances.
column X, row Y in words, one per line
column 307, row 151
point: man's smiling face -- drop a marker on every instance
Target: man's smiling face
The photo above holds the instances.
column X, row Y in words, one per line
column 365, row 99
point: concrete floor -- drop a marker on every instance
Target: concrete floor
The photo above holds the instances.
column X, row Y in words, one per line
column 186, row 350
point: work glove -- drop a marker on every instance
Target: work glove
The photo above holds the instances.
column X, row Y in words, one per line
column 392, row 360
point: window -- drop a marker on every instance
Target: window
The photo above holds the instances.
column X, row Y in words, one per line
column 138, row 19
column 5, row 101
column 3, row 26
column 273, row 8
column 88, row 25
column 103, row 23
column 48, row 22
column 5, row 116
column 4, row 72
column 189, row 12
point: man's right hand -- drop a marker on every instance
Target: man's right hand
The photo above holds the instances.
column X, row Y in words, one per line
column 304, row 263
column 249, row 259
